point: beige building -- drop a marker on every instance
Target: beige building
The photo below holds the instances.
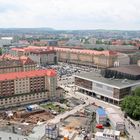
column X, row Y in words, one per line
column 27, row 87
column 86, row 57
column 10, row 64
column 41, row 55
column 50, row 55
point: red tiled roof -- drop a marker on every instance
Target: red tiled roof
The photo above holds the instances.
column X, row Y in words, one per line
column 26, row 60
column 64, row 49
column 23, row 59
column 83, row 51
column 34, row 73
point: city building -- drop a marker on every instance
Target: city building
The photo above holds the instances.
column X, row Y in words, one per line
column 107, row 135
column 27, row 87
column 41, row 55
column 10, row 64
column 6, row 41
column 131, row 72
column 122, row 60
column 116, row 121
column 111, row 90
column 50, row 55
column 86, row 57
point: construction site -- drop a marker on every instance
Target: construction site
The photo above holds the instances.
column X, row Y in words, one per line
column 24, row 120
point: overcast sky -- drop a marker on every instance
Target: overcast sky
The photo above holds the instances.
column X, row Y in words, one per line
column 71, row 14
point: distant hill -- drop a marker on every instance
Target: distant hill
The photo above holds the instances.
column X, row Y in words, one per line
column 24, row 30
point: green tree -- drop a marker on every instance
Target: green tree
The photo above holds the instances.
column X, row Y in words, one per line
column 131, row 105
column 0, row 51
column 100, row 49
column 137, row 91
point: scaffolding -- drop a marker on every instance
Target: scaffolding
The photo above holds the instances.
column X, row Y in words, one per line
column 52, row 131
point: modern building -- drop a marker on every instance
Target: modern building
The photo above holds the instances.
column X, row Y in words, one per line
column 107, row 135
column 111, row 90
column 27, row 87
column 131, row 72
column 10, row 64
column 115, row 120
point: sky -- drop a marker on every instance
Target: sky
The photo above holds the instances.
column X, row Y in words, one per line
column 71, row 14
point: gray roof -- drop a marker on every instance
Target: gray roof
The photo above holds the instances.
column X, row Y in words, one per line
column 116, row 83
column 130, row 69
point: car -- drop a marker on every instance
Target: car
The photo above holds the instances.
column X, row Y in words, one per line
column 99, row 126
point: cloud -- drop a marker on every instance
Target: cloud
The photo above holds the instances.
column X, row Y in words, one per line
column 71, row 14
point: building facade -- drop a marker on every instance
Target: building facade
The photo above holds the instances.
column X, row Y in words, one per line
column 110, row 90
column 10, row 64
column 86, row 57
column 107, row 134
column 50, row 55
column 27, row 87
column 41, row 55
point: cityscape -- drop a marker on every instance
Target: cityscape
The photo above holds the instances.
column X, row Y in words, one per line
column 66, row 76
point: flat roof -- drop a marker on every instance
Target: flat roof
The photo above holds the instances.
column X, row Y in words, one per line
column 116, row 118
column 111, row 132
column 110, row 111
column 131, row 69
column 115, row 83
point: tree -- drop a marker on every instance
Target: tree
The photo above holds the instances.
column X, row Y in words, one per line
column 0, row 51
column 137, row 91
column 131, row 105
column 100, row 49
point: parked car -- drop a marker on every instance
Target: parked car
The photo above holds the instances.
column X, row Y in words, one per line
column 99, row 126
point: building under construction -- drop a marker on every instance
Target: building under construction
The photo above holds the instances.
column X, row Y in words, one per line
column 52, row 131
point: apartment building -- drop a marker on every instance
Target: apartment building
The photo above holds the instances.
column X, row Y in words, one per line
column 10, row 64
column 50, row 55
column 86, row 57
column 27, row 87
column 41, row 55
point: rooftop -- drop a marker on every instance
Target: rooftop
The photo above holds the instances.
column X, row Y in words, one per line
column 111, row 132
column 115, row 83
column 110, row 111
column 39, row 49
column 7, row 60
column 28, row 74
column 131, row 69
column 116, row 118
column 108, row 133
